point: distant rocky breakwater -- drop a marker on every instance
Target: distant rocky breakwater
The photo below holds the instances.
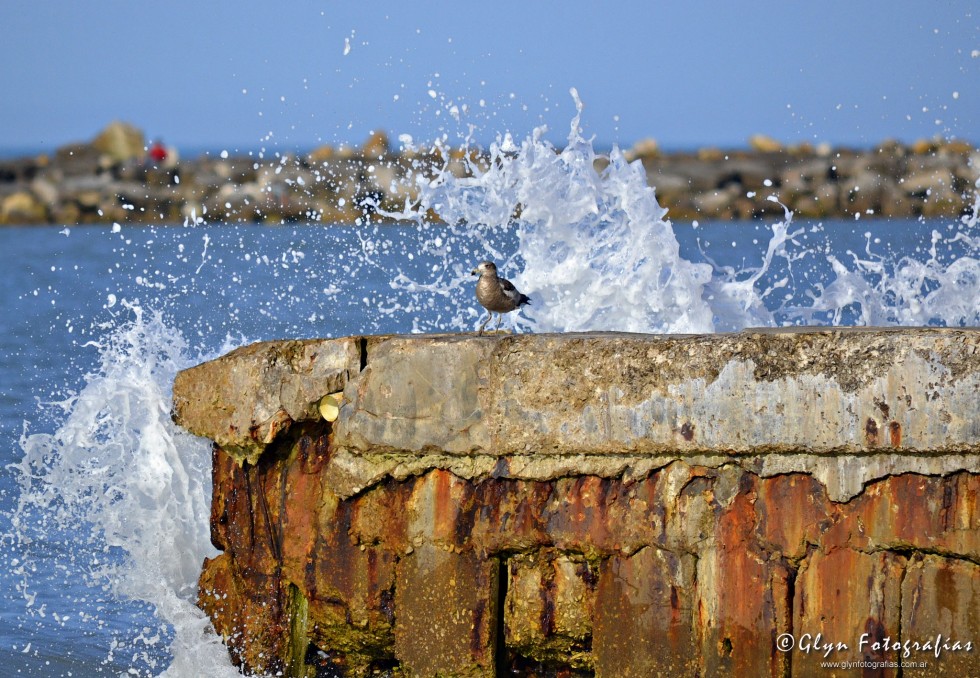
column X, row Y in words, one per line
column 114, row 179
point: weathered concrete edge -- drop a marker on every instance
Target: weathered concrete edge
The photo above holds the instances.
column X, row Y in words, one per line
column 844, row 476
column 473, row 409
column 245, row 399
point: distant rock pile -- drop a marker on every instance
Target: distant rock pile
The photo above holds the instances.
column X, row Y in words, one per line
column 116, row 178
column 928, row 178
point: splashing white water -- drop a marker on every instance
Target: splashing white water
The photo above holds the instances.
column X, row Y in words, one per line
column 595, row 252
column 119, row 476
column 937, row 291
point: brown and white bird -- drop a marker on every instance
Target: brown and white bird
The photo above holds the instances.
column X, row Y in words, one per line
column 497, row 295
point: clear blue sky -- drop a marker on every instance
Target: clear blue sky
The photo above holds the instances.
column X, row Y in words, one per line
column 229, row 74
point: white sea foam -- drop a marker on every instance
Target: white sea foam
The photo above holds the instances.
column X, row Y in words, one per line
column 121, row 478
column 597, row 252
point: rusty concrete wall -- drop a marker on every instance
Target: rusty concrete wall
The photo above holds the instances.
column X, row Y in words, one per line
column 609, row 505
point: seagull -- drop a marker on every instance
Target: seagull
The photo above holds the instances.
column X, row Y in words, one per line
column 497, row 295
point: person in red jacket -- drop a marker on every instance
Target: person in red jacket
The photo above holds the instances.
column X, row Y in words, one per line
column 158, row 152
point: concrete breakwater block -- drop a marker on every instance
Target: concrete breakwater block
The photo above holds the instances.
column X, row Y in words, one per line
column 595, row 504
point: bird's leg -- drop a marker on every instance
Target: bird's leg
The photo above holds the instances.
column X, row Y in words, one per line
column 500, row 319
column 489, row 318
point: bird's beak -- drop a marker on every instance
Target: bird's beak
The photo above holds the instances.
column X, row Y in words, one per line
column 475, row 272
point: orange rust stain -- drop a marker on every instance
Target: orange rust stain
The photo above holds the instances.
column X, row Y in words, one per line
column 298, row 529
column 792, row 511
column 785, row 514
column 372, row 569
column 899, row 513
column 895, row 434
column 744, row 620
column 946, row 586
column 960, row 508
column 530, row 501
column 738, row 521
column 582, row 513
column 444, row 509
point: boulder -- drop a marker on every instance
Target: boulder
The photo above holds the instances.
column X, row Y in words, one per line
column 119, row 142
column 376, row 146
column 22, row 207
column 764, row 144
column 321, row 154
column 78, row 160
column 928, row 180
column 645, row 148
column 18, row 170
